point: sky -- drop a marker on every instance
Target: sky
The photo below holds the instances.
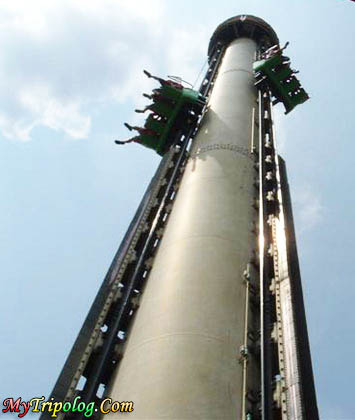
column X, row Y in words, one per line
column 70, row 75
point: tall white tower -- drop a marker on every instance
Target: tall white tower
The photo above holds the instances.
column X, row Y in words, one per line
column 201, row 315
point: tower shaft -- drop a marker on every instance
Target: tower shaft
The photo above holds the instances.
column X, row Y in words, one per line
column 181, row 360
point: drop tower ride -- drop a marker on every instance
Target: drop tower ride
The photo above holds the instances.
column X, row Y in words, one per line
column 201, row 314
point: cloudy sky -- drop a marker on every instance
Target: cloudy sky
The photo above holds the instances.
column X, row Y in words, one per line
column 70, row 75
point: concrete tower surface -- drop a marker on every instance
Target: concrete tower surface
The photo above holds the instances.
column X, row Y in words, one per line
column 201, row 315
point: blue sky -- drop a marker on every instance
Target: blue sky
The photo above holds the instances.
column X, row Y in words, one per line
column 70, row 75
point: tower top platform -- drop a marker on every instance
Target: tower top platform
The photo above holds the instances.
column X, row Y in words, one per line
column 243, row 26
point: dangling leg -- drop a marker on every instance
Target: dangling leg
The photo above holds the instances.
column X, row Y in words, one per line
column 153, row 77
column 141, row 130
column 142, row 111
column 133, row 139
column 147, row 96
column 130, row 128
column 147, row 73
column 285, row 46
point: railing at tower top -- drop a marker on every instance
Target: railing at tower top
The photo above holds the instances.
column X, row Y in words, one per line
column 100, row 344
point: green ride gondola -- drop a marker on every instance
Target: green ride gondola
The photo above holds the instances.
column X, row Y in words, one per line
column 273, row 72
column 174, row 106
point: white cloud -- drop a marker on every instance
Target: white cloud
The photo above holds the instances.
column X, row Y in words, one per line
column 54, row 114
column 61, row 60
column 308, row 207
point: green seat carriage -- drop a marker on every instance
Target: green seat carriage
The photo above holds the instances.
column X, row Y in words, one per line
column 174, row 107
column 275, row 74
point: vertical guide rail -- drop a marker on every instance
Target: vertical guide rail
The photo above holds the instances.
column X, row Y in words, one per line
column 297, row 396
column 285, row 375
column 306, row 392
column 265, row 357
column 290, row 392
column 215, row 61
column 270, row 345
column 245, row 345
column 261, row 260
column 252, row 145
